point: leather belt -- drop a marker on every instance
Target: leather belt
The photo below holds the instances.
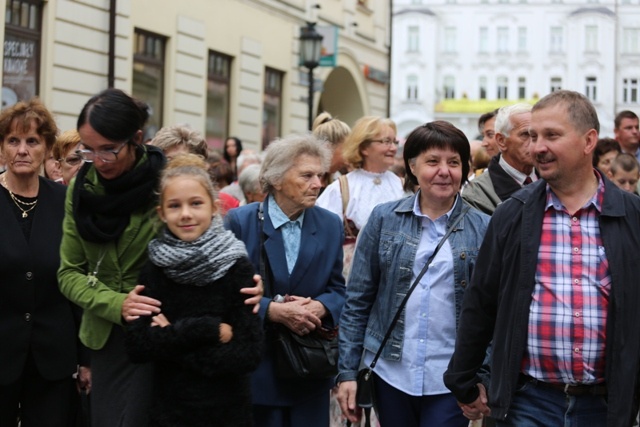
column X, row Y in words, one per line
column 599, row 389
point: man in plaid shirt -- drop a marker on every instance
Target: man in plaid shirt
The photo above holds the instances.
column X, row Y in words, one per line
column 556, row 289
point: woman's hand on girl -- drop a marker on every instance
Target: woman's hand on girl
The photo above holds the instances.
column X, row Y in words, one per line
column 136, row 305
column 257, row 291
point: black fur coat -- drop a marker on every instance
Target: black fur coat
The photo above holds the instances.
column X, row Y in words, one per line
column 198, row 380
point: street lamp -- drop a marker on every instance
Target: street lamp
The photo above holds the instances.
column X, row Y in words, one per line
column 310, row 43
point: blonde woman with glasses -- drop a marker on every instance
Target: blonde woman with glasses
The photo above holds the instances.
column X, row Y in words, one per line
column 370, row 150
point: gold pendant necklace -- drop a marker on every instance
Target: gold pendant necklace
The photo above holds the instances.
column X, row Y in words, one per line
column 18, row 202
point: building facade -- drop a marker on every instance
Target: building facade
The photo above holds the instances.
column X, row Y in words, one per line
column 224, row 67
column 457, row 59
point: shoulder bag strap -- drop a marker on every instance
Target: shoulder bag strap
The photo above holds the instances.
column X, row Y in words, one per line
column 344, row 191
column 415, row 283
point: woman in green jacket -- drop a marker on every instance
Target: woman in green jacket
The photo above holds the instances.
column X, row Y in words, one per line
column 106, row 229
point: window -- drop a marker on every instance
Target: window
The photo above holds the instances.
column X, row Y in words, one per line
column 629, row 90
column 591, row 88
column 556, row 84
column 21, row 64
column 148, row 73
column 555, row 41
column 413, row 39
column 218, row 95
column 449, row 87
column 483, row 40
column 412, row 87
column 503, row 40
column 450, row 39
column 482, row 85
column 272, row 106
column 522, row 39
column 502, row 87
column 631, row 40
column 522, row 87
column 591, row 38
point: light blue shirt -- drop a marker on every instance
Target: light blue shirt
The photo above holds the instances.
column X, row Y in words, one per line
column 430, row 318
column 291, row 231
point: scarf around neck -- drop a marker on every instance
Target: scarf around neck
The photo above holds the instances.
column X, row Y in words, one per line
column 197, row 263
column 102, row 218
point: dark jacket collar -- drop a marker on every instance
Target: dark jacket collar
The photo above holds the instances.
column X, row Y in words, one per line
column 613, row 204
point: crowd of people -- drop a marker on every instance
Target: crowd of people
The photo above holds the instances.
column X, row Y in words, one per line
column 488, row 280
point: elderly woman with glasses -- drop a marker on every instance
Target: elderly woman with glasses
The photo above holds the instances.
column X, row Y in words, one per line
column 370, row 149
column 106, row 231
column 64, row 150
column 299, row 246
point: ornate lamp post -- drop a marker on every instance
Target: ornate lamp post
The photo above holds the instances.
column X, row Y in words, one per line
column 310, row 43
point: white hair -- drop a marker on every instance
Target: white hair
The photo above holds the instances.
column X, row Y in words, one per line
column 503, row 123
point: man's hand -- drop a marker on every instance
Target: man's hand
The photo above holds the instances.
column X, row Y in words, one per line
column 478, row 408
column 347, row 400
column 136, row 305
column 257, row 292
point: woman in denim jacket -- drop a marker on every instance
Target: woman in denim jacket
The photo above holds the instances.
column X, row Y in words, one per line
column 391, row 251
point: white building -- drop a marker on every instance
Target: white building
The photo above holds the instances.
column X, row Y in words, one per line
column 225, row 67
column 457, row 59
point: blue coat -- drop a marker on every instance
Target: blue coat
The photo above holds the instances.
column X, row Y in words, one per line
column 316, row 274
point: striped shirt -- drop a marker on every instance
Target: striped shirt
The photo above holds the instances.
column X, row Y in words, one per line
column 568, row 312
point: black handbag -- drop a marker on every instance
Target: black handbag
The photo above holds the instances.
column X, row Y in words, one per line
column 365, row 392
column 310, row 356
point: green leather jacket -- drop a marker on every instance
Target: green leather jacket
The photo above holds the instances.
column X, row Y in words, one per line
column 119, row 262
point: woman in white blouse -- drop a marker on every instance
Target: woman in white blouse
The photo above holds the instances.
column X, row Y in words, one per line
column 370, row 149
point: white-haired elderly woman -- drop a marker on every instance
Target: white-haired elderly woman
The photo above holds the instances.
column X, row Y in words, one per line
column 249, row 182
column 303, row 252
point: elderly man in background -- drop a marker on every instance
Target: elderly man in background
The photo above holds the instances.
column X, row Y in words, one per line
column 509, row 171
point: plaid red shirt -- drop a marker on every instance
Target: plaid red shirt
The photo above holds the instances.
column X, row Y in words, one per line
column 568, row 313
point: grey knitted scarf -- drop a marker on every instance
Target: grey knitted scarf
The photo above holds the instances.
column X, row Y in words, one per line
column 200, row 262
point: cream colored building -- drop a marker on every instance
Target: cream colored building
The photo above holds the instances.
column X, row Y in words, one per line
column 225, row 67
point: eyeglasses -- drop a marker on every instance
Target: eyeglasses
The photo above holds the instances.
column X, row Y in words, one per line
column 72, row 160
column 106, row 156
column 387, row 141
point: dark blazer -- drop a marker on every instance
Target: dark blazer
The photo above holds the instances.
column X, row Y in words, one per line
column 317, row 274
column 34, row 316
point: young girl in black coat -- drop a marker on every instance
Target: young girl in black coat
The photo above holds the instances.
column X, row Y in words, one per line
column 206, row 340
